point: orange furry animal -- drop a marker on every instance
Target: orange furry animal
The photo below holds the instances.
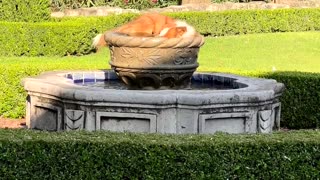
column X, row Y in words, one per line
column 151, row 25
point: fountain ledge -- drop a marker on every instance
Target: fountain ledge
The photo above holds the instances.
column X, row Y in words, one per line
column 56, row 103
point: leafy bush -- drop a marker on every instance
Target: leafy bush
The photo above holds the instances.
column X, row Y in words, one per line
column 74, row 35
column 38, row 39
column 300, row 101
column 70, row 37
column 132, row 4
column 105, row 155
column 252, row 21
column 26, row 11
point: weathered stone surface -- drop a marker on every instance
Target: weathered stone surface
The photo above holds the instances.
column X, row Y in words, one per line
column 56, row 103
column 154, row 62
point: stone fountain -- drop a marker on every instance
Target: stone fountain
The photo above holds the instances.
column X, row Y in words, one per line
column 152, row 88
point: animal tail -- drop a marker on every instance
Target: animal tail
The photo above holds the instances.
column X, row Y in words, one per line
column 190, row 30
column 99, row 41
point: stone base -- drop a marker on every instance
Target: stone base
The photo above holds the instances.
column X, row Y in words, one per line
column 55, row 103
column 155, row 79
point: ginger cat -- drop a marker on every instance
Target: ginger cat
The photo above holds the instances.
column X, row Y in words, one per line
column 151, row 25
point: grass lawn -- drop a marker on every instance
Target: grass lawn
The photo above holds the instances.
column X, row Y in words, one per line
column 262, row 52
column 246, row 53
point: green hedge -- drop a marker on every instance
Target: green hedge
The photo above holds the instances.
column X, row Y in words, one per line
column 25, row 10
column 62, row 36
column 101, row 155
column 132, row 4
column 70, row 37
column 300, row 101
column 232, row 22
column 45, row 39
column 252, row 21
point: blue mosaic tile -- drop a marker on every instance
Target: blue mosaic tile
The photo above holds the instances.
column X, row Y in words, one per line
column 100, row 76
column 77, row 76
column 112, row 75
column 196, row 77
column 78, row 81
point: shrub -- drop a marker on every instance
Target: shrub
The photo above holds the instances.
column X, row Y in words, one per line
column 300, row 101
column 133, row 4
column 105, row 155
column 74, row 35
column 252, row 21
column 70, row 37
column 26, row 11
column 50, row 39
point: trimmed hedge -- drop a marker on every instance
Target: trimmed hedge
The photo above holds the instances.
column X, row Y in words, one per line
column 45, row 39
column 70, row 37
column 232, row 22
column 300, row 102
column 25, row 10
column 104, row 155
column 132, row 4
column 69, row 30
column 252, row 21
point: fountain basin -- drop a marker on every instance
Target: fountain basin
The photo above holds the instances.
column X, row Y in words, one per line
column 60, row 100
column 154, row 62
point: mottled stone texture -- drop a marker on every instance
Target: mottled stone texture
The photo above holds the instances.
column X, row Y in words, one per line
column 154, row 62
column 55, row 103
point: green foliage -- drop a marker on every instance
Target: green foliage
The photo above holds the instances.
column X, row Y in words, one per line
column 70, row 37
column 132, row 4
column 105, row 155
column 24, row 10
column 300, row 102
column 252, row 21
column 74, row 35
column 38, row 39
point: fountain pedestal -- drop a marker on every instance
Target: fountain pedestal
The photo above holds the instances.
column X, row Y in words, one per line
column 62, row 100
column 154, row 62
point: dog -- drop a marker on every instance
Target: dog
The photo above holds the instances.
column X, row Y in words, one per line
column 150, row 25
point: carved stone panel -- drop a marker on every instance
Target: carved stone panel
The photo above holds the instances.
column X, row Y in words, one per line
column 236, row 122
column 265, row 121
column 126, row 122
column 277, row 114
column 45, row 117
column 74, row 119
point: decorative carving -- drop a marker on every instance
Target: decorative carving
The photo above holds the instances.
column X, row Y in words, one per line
column 149, row 57
column 74, row 119
column 186, row 56
column 265, row 121
column 132, row 122
column 148, row 79
column 153, row 62
column 232, row 122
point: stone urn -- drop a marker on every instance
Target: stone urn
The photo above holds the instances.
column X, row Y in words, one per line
column 154, row 62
